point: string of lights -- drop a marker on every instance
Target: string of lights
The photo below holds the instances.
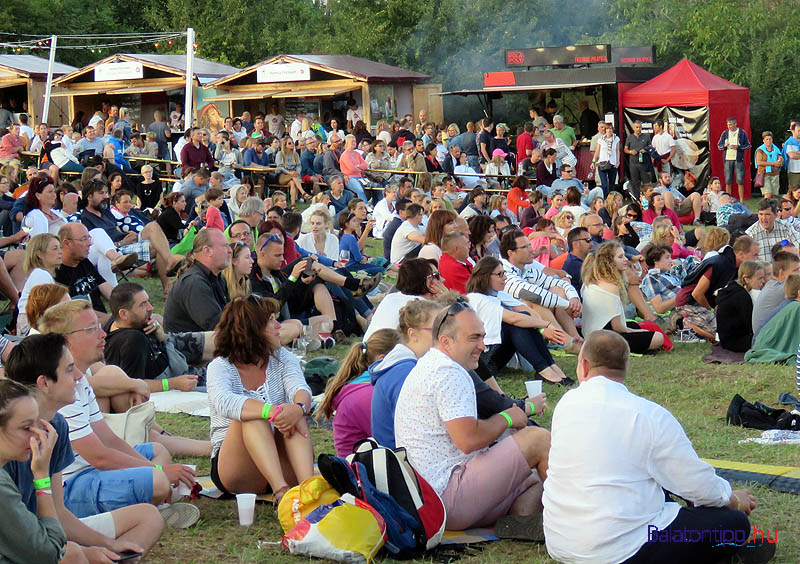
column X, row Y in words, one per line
column 93, row 42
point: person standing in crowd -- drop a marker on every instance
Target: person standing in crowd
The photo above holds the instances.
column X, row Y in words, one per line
column 564, row 132
column 769, row 161
column 607, row 158
column 588, row 517
column 665, row 146
column 637, row 145
column 588, row 120
column 274, row 121
column 734, row 142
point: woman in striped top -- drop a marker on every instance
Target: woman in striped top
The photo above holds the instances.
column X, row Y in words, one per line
column 259, row 401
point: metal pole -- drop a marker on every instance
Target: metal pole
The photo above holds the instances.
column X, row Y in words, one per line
column 49, row 87
column 189, row 101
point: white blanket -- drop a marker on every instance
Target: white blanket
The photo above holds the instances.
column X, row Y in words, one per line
column 176, row 401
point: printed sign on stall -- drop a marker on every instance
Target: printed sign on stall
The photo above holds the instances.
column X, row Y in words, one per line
column 283, row 72
column 123, row 70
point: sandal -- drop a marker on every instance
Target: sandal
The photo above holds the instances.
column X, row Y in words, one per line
column 124, row 262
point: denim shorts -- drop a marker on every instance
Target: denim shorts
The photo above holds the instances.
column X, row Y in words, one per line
column 96, row 491
column 732, row 167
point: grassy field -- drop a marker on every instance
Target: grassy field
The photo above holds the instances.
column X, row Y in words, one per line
column 697, row 393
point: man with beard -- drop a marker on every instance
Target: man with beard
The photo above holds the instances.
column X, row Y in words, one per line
column 138, row 344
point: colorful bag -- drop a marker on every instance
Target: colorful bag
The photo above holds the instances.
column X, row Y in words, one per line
column 347, row 530
column 392, row 474
column 303, row 499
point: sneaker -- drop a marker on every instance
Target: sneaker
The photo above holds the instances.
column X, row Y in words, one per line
column 687, row 336
column 180, row 515
column 327, row 341
column 527, row 528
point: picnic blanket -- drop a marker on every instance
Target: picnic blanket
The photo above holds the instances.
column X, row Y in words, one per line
column 176, row 401
column 778, row 478
column 778, row 340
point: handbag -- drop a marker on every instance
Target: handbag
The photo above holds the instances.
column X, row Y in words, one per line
column 604, row 165
column 134, row 425
column 758, row 181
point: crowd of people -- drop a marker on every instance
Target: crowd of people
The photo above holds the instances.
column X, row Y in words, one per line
column 486, row 278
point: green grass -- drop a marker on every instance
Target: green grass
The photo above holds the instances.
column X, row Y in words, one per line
column 697, row 394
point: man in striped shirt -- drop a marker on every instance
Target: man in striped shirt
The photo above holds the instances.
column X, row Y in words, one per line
column 107, row 472
column 555, row 299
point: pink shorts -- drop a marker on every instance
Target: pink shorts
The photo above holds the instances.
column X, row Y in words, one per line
column 486, row 487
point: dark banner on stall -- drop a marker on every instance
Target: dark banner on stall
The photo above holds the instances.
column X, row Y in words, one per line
column 689, row 127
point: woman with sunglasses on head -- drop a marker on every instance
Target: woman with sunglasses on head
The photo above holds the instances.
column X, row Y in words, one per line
column 259, row 401
column 511, row 327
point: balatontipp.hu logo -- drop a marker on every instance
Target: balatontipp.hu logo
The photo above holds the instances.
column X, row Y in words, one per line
column 716, row 537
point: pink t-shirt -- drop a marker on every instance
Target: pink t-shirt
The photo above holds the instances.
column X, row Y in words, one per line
column 214, row 219
column 352, row 163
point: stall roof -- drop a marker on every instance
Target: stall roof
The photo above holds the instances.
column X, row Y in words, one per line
column 343, row 65
column 204, row 70
column 551, row 79
column 32, row 66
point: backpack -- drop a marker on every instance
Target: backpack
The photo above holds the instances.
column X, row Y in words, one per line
column 392, row 473
column 318, row 371
column 352, row 479
column 759, row 416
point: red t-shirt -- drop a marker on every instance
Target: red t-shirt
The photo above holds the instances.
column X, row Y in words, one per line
column 524, row 144
column 455, row 273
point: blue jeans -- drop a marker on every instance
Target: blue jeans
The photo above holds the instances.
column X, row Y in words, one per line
column 355, row 186
column 527, row 342
column 370, row 269
column 608, row 179
column 596, row 192
column 71, row 167
column 96, row 491
column 549, row 191
column 361, row 305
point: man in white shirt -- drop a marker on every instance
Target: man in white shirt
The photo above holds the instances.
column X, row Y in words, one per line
column 436, row 420
column 555, row 299
column 664, row 144
column 297, row 125
column 354, row 114
column 613, row 457
column 102, row 459
column 409, row 236
column 384, row 210
column 274, row 122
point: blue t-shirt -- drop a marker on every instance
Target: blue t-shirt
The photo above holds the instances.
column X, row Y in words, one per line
column 251, row 158
column 340, row 203
column 572, row 266
column 561, row 185
column 62, row 457
column 348, row 242
column 307, row 163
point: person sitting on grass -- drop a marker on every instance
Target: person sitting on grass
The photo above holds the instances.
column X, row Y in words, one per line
column 777, row 339
column 734, row 309
column 605, row 500
column 511, row 326
column 480, row 475
column 102, row 459
column 772, row 294
column 259, row 400
column 604, row 294
column 138, row 344
column 43, row 363
column 659, row 286
column 697, row 297
column 348, row 396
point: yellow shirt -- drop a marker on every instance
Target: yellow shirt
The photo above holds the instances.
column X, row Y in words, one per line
column 733, row 139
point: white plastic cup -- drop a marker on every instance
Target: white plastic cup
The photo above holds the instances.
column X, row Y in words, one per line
column 533, row 388
column 246, row 504
column 182, row 489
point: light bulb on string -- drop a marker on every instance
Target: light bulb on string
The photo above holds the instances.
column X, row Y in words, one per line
column 169, row 42
column 156, row 45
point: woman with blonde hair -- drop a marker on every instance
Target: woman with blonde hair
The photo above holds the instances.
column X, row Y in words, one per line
column 734, row 308
column 320, row 240
column 498, row 205
column 383, row 133
column 348, row 395
column 42, row 257
column 237, row 273
column 604, row 295
column 387, row 376
column 288, row 163
column 564, row 221
column 608, row 213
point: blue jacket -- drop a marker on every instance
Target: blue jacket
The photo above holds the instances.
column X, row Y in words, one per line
column 307, row 163
column 743, row 142
column 387, row 377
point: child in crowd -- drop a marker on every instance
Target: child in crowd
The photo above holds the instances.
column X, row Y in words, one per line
column 348, row 395
column 658, row 285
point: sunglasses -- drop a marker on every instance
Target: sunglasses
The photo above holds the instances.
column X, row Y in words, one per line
column 630, row 215
column 274, row 238
column 785, row 243
column 437, row 275
column 455, row 308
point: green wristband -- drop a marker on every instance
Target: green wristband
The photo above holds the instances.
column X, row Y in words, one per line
column 508, row 418
column 42, row 484
column 292, row 279
column 159, row 467
column 265, row 411
column 533, row 409
column 165, row 384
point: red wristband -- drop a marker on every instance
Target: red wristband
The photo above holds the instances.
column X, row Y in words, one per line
column 278, row 409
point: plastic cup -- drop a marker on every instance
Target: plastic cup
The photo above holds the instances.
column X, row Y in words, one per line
column 246, row 504
column 533, row 388
column 182, row 489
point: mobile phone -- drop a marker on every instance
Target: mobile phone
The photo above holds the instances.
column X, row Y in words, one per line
column 308, row 270
column 127, row 555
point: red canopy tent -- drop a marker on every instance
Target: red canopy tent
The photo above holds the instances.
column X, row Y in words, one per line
column 687, row 85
